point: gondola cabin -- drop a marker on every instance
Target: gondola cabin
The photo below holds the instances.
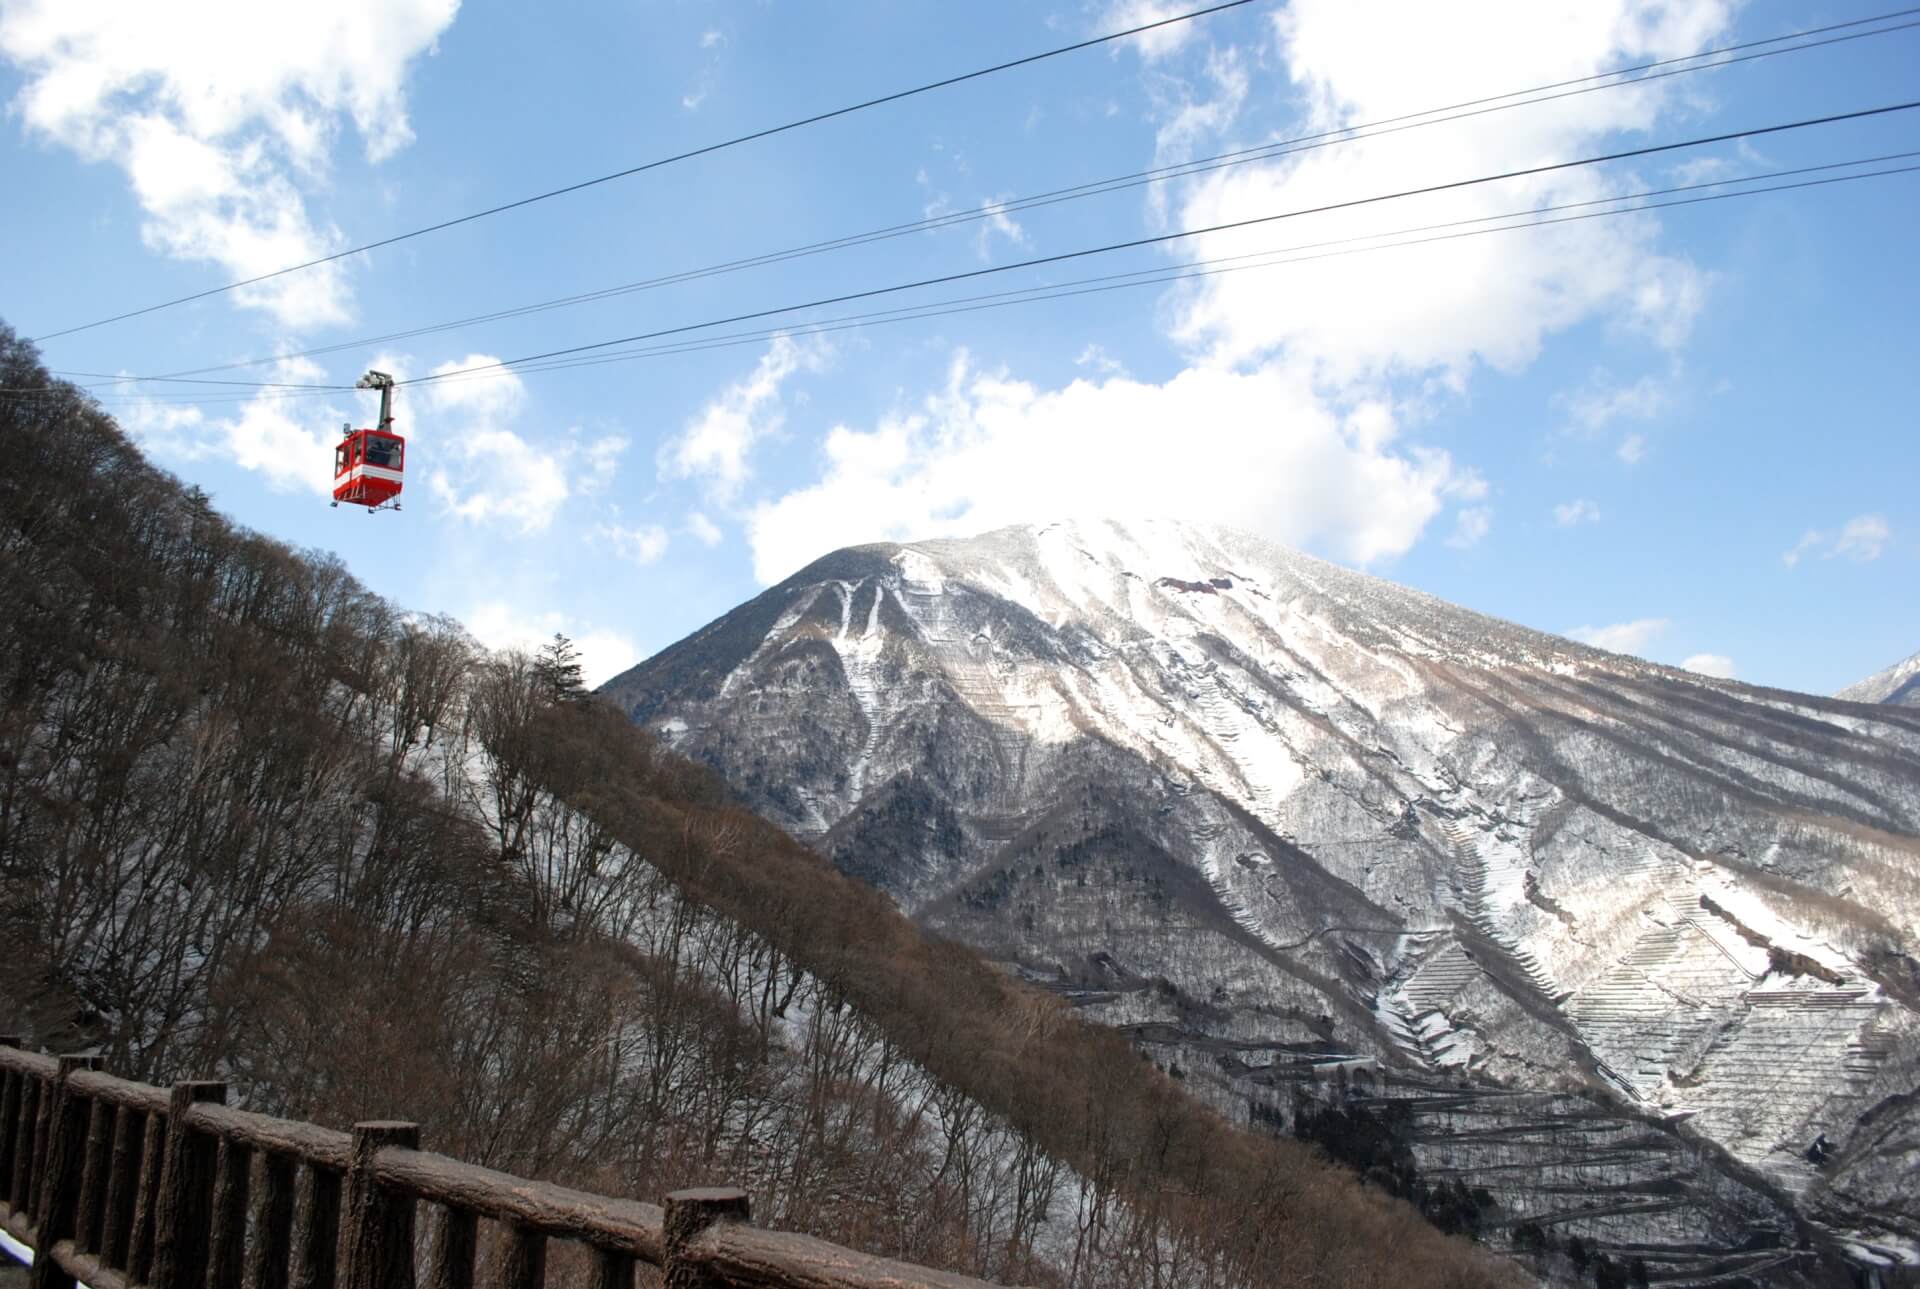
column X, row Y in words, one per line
column 370, row 465
column 368, row 468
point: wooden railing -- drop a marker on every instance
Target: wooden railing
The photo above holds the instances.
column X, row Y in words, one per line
column 128, row 1186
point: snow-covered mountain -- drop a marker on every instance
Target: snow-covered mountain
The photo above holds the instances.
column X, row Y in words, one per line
column 1899, row 684
column 1277, row 817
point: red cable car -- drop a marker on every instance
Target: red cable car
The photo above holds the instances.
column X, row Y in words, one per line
column 368, row 464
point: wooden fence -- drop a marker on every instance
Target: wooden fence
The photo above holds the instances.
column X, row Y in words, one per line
column 127, row 1186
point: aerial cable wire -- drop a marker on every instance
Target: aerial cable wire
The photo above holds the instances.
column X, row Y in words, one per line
column 1208, row 268
column 658, row 163
column 1268, row 258
column 1151, row 277
column 1162, row 239
column 1069, row 290
column 1094, row 286
column 1187, row 169
column 1163, row 274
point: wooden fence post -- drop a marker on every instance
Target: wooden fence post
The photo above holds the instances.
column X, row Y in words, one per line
column 97, row 1157
column 25, row 1115
column 690, row 1212
column 59, row 1175
column 523, row 1259
column 146, row 1197
column 123, row 1179
column 316, row 1229
column 183, row 1216
column 10, row 1083
column 611, row 1270
column 37, row 1156
column 227, row 1244
column 456, row 1238
column 270, row 1215
column 376, row 1235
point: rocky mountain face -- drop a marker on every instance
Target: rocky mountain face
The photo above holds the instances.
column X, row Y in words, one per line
column 1898, row 684
column 1622, row 951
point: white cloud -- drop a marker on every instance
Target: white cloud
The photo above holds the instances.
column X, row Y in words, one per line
column 289, row 441
column 1665, row 306
column 1623, row 637
column 601, row 461
column 604, row 654
column 1470, row 525
column 1452, row 305
column 1150, row 45
column 1578, row 511
column 716, row 445
column 997, row 223
column 1863, row 538
column 222, row 114
column 642, row 544
column 1097, row 360
column 490, row 394
column 1632, row 448
column 704, row 530
column 1292, row 418
column 481, row 468
column 1257, row 450
column 1717, row 665
column 1601, row 402
column 1860, row 539
column 712, row 41
column 1189, row 119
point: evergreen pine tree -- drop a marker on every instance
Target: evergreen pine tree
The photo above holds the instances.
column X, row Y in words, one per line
column 557, row 668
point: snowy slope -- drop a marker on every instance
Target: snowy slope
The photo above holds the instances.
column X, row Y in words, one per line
column 1269, row 813
column 1899, row 684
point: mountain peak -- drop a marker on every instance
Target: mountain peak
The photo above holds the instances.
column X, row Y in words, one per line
column 1898, row 685
column 1333, row 815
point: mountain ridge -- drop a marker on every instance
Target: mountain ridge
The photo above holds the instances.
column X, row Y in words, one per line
column 1342, row 821
column 1898, row 685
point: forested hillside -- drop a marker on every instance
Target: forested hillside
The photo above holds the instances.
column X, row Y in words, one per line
column 256, row 822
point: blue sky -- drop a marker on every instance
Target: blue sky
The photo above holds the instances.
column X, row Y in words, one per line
column 1685, row 434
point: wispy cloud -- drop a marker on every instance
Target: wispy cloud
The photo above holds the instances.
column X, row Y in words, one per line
column 1860, row 539
column 1153, row 45
column 290, row 445
column 712, row 42
column 1469, row 526
column 1601, row 402
column 642, row 544
column 1578, row 511
column 484, row 470
column 1623, row 637
column 1717, row 665
column 717, row 445
column 998, row 223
